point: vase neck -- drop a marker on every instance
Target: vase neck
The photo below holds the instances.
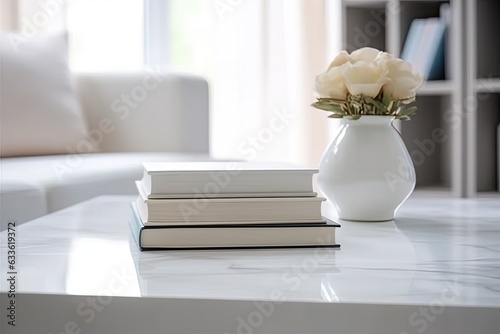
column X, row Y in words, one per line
column 369, row 120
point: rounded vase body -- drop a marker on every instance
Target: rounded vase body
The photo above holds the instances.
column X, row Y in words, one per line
column 366, row 171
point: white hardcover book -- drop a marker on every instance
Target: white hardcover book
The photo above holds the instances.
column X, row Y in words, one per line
column 158, row 212
column 226, row 179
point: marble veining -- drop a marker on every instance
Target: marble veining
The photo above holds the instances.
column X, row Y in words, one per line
column 437, row 249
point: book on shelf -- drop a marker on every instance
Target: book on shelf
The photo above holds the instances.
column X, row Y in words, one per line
column 424, row 47
column 226, row 179
column 254, row 235
column 413, row 39
column 266, row 210
column 433, row 60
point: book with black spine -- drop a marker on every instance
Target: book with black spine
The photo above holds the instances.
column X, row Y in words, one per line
column 228, row 236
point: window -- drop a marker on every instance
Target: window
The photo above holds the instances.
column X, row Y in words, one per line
column 255, row 55
column 106, row 34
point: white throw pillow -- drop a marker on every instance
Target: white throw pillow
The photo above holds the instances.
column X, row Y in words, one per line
column 40, row 113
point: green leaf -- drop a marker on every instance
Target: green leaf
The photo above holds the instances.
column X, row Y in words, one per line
column 356, row 98
column 356, row 105
column 324, row 106
column 403, row 118
column 355, row 117
column 336, row 116
column 390, row 106
column 377, row 104
column 386, row 100
column 331, row 100
column 338, row 110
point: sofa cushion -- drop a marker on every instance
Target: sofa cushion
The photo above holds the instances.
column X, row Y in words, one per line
column 40, row 112
column 69, row 179
column 140, row 111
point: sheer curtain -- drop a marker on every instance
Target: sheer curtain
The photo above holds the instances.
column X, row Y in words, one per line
column 31, row 17
column 259, row 56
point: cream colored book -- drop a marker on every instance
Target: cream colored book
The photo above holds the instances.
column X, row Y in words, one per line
column 226, row 179
column 262, row 210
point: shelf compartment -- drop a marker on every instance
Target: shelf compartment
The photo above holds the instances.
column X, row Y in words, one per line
column 366, row 28
column 428, row 140
column 411, row 10
column 488, row 46
column 488, row 118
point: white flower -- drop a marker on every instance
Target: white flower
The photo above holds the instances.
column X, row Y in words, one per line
column 331, row 84
column 367, row 74
column 365, row 54
column 342, row 58
column 403, row 80
column 382, row 57
column 365, row 77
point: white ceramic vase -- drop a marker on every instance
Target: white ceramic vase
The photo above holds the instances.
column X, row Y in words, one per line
column 366, row 172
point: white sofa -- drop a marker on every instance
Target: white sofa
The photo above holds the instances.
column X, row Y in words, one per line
column 164, row 117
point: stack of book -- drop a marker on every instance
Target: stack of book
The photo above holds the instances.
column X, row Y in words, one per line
column 228, row 205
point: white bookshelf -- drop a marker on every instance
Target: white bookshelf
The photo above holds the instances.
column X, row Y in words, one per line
column 482, row 85
column 487, row 85
column 465, row 103
column 436, row 87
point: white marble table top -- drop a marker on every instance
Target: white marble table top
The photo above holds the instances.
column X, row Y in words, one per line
column 439, row 251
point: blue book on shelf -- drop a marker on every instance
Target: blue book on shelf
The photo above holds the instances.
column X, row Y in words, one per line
column 435, row 65
column 424, row 47
column 413, row 40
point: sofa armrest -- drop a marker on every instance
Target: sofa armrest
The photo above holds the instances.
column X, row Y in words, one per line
column 145, row 111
